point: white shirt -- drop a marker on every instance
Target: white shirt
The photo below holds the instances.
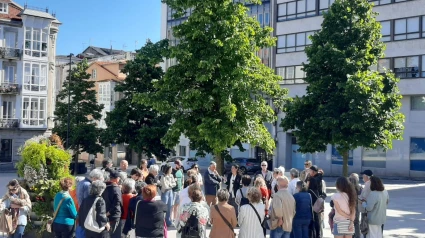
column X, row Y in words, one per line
column 232, row 179
column 200, row 181
column 292, row 187
column 184, row 196
column 250, row 226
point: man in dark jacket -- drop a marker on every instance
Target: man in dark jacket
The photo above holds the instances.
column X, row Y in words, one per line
column 315, row 189
column 212, row 182
column 233, row 183
column 266, row 174
column 113, row 200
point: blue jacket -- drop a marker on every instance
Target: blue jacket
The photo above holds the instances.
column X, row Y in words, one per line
column 67, row 212
column 211, row 183
column 303, row 209
column 83, row 189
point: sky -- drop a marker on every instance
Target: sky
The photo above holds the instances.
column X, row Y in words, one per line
column 124, row 23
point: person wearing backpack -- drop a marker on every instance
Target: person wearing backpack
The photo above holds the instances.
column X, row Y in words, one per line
column 114, row 205
column 193, row 217
column 241, row 195
column 251, row 216
column 99, row 228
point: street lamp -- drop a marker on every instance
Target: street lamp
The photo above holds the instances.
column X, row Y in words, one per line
column 69, row 99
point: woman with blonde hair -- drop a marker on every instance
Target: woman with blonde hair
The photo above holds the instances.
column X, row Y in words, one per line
column 260, row 183
column 65, row 210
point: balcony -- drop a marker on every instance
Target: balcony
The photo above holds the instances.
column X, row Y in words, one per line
column 10, row 53
column 6, row 123
column 9, row 88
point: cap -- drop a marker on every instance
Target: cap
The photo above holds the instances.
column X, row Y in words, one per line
column 314, row 168
column 367, row 172
column 178, row 162
column 113, row 174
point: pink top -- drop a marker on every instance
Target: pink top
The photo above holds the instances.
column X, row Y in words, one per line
column 342, row 200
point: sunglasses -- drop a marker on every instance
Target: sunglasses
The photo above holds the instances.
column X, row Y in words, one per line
column 305, row 164
column 196, row 167
column 263, row 165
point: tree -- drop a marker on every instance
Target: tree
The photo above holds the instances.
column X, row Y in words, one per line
column 133, row 123
column 84, row 113
column 215, row 93
column 346, row 104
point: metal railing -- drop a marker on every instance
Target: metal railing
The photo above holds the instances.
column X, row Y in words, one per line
column 10, row 53
column 9, row 88
column 6, row 123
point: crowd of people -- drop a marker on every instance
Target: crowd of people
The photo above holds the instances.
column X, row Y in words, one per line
column 111, row 202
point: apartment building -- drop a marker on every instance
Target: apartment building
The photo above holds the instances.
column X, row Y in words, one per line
column 27, row 58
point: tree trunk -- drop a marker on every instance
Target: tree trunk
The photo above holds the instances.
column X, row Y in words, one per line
column 139, row 158
column 220, row 162
column 76, row 153
column 345, row 163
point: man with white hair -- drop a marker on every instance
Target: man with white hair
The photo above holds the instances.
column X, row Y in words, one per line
column 282, row 210
column 212, row 181
column 294, row 180
column 83, row 189
column 266, row 174
column 123, row 168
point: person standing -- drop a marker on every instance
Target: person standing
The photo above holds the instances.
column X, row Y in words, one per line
column 276, row 173
column 266, row 175
column 167, row 184
column 366, row 175
column 195, row 167
column 123, row 168
column 179, row 178
column 344, row 200
column 144, row 167
column 83, row 190
column 114, row 205
column 306, row 172
column 242, row 193
column 303, row 211
column 212, row 181
column 106, row 168
column 223, row 218
column 354, row 179
column 66, row 213
column 283, row 210
column 376, row 207
column 316, row 190
column 292, row 188
column 127, row 188
column 132, row 207
column 233, row 183
column 249, row 221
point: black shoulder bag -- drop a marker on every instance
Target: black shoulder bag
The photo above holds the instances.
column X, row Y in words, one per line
column 225, row 220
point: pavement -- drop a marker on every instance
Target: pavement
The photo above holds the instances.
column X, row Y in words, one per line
column 405, row 213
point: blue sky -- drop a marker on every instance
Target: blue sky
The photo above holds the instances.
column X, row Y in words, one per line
column 98, row 22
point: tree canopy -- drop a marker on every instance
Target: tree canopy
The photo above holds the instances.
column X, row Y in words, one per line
column 346, row 104
column 134, row 123
column 216, row 92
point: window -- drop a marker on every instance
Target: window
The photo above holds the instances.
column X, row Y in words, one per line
column 293, row 42
column 36, row 42
column 423, row 26
column 296, row 9
column 417, row 154
column 104, row 93
column 34, row 111
column 325, row 5
column 406, row 28
column 93, row 74
column 386, row 31
column 35, row 77
column 376, row 158
column 6, row 150
column 9, row 74
column 406, row 67
column 291, row 74
column 4, row 7
column 383, row 64
column 182, row 150
column 417, row 103
column 8, row 111
column 380, row 2
column 337, row 158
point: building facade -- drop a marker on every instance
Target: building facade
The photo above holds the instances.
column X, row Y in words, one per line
column 27, row 70
column 403, row 30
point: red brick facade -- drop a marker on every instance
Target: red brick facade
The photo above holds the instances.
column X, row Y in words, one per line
column 12, row 13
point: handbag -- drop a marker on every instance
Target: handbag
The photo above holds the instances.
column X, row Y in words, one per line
column 49, row 223
column 364, row 224
column 225, row 220
column 344, row 227
column 262, row 223
column 132, row 232
column 319, row 205
column 6, row 222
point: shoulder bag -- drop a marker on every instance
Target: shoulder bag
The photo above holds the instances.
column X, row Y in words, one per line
column 132, row 232
column 50, row 222
column 262, row 223
column 364, row 224
column 225, row 220
column 319, row 205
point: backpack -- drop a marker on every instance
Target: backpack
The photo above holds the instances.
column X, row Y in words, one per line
column 90, row 223
column 191, row 229
column 244, row 200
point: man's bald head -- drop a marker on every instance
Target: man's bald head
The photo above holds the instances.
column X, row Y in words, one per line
column 282, row 182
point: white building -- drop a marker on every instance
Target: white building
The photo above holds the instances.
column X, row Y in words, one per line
column 27, row 57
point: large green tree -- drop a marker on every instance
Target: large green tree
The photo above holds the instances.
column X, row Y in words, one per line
column 346, row 104
column 134, row 123
column 84, row 112
column 216, row 91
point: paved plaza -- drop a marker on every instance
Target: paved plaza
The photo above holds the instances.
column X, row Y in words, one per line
column 405, row 214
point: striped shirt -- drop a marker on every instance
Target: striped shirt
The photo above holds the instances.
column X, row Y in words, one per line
column 250, row 226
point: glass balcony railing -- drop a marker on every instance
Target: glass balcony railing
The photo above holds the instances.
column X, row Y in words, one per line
column 6, row 123
column 9, row 88
column 10, row 53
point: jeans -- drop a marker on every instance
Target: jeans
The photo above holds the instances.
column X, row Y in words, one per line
column 232, row 202
column 115, row 231
column 300, row 228
column 19, row 232
column 167, row 198
column 80, row 232
column 280, row 233
column 63, row 231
